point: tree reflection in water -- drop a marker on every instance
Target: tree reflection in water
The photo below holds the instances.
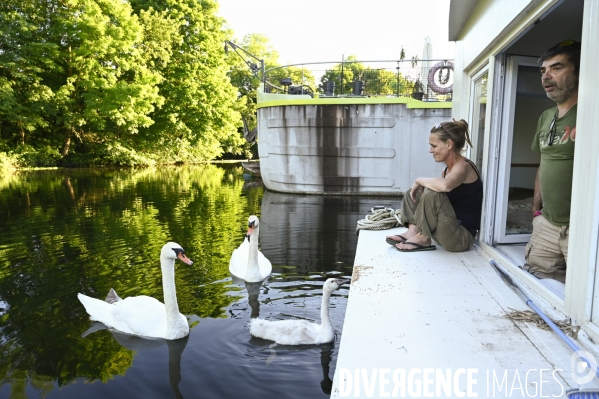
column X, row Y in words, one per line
column 69, row 231
column 136, row 344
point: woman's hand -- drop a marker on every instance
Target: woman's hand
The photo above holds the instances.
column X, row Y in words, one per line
column 416, row 188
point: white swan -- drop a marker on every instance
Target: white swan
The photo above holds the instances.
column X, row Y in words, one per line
column 300, row 332
column 247, row 262
column 143, row 315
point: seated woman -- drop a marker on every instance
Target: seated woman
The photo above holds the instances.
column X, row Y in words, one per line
column 446, row 209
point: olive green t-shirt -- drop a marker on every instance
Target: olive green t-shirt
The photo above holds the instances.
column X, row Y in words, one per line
column 557, row 163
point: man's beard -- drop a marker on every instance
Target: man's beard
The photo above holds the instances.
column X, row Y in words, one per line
column 563, row 93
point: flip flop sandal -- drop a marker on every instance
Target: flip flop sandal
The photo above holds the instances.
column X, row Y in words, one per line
column 418, row 247
column 391, row 241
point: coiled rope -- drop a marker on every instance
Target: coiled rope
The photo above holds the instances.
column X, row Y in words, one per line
column 381, row 219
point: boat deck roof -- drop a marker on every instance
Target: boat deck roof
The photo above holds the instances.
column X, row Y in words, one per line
column 412, row 316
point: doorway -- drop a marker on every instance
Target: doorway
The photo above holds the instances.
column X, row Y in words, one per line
column 520, row 102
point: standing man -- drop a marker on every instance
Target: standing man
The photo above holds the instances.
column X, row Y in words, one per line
column 547, row 252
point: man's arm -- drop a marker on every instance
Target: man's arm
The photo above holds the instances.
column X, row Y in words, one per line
column 537, row 202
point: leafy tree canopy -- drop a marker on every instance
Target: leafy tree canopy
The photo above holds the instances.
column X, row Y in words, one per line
column 107, row 81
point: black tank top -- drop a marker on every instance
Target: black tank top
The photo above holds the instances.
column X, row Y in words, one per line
column 467, row 201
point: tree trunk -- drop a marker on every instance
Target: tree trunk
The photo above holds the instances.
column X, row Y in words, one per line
column 22, row 133
column 67, row 142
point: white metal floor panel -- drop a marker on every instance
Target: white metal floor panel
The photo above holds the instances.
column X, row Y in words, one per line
column 416, row 321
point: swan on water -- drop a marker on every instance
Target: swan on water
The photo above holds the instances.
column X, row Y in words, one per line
column 300, row 332
column 142, row 315
column 247, row 262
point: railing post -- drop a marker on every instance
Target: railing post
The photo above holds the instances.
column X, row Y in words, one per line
column 342, row 63
column 397, row 78
column 263, row 74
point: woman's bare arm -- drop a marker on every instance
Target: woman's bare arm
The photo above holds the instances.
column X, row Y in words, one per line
column 457, row 176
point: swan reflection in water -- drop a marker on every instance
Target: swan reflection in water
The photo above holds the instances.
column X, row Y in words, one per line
column 253, row 290
column 326, row 357
column 134, row 343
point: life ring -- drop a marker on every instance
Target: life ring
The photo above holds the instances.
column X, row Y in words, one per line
column 431, row 77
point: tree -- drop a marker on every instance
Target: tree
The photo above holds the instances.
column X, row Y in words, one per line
column 74, row 69
column 376, row 81
column 104, row 82
column 299, row 76
column 23, row 59
column 125, row 81
column 241, row 75
column 247, row 82
column 199, row 117
column 342, row 75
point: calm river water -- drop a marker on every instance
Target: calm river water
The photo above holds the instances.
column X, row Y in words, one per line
column 69, row 231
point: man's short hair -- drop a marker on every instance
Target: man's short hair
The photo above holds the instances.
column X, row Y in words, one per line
column 571, row 48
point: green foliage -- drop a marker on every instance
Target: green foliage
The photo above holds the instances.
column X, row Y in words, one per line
column 200, row 103
column 247, row 82
column 80, row 76
column 7, row 162
column 123, row 156
column 299, row 76
column 240, row 74
column 22, row 92
column 376, row 81
column 342, row 75
column 418, row 86
column 28, row 157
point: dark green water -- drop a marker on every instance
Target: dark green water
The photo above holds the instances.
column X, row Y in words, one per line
column 69, row 231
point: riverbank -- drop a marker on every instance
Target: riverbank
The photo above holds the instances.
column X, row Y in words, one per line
column 435, row 324
column 7, row 166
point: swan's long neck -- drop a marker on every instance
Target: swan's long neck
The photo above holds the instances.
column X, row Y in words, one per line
column 325, row 319
column 170, row 294
column 252, row 272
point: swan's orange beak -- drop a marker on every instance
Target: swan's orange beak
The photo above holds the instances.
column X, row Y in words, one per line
column 184, row 258
column 250, row 231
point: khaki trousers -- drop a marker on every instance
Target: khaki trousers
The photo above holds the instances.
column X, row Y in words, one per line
column 546, row 253
column 434, row 217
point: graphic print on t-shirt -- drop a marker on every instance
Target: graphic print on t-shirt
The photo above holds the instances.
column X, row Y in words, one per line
column 562, row 137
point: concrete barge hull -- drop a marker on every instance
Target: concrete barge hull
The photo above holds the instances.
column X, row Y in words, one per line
column 356, row 149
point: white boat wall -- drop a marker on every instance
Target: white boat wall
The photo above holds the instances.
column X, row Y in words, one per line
column 348, row 145
column 327, row 218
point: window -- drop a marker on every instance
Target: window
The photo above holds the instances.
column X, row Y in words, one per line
column 477, row 117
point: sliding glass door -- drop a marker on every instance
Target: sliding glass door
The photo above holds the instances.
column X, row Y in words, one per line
column 524, row 100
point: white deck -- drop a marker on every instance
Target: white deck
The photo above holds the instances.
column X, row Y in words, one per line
column 418, row 314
